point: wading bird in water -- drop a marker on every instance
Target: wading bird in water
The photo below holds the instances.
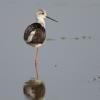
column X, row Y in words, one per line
column 35, row 34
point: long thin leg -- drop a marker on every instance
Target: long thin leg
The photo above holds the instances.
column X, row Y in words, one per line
column 36, row 63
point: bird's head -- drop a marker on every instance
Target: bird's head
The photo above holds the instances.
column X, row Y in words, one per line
column 42, row 14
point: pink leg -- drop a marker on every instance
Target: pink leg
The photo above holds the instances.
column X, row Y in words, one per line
column 36, row 63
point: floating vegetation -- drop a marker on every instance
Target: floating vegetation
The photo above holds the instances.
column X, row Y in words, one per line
column 63, row 38
column 96, row 78
column 55, row 66
column 50, row 39
column 70, row 38
column 76, row 38
column 83, row 37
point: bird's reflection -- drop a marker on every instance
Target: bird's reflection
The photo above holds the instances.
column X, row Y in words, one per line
column 34, row 89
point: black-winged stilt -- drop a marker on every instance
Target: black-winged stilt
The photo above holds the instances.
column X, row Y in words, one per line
column 35, row 34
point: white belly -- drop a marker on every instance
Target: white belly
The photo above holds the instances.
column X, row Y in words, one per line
column 36, row 45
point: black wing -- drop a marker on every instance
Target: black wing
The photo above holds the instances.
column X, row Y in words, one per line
column 39, row 36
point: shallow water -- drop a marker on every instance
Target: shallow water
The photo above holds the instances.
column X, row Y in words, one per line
column 69, row 59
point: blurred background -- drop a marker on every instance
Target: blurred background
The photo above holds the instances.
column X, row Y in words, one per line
column 69, row 58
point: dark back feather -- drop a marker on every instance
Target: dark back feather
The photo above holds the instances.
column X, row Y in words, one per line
column 40, row 33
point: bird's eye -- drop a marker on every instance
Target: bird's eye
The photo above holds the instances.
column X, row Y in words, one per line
column 42, row 13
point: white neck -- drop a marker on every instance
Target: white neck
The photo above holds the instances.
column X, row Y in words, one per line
column 41, row 21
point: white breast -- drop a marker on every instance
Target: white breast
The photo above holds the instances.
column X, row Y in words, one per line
column 36, row 45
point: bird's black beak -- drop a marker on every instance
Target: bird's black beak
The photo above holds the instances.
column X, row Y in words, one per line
column 51, row 19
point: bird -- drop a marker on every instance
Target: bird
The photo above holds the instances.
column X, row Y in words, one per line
column 35, row 34
column 34, row 89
